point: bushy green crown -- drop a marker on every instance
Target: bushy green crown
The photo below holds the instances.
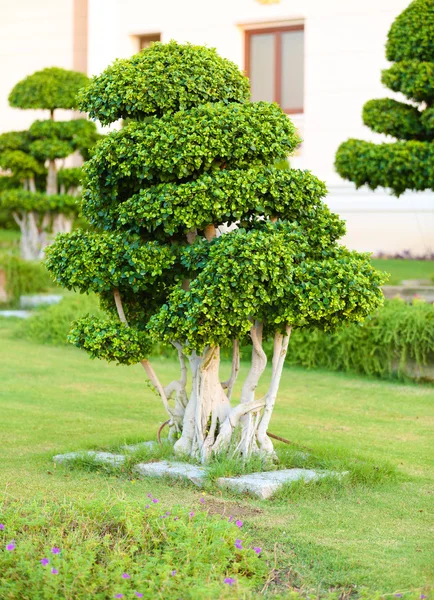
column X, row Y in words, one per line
column 408, row 163
column 197, row 153
column 49, row 89
column 164, row 78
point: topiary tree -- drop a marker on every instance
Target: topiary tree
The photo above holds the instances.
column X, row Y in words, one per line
column 43, row 199
column 407, row 164
column 197, row 155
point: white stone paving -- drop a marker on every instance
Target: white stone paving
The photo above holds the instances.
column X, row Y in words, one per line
column 177, row 470
column 100, row 457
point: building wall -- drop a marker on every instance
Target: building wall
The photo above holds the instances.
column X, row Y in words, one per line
column 344, row 55
column 34, row 34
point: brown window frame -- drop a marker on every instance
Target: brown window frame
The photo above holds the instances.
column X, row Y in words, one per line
column 277, row 31
column 148, row 37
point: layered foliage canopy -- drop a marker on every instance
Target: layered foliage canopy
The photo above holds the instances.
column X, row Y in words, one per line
column 409, row 162
column 195, row 156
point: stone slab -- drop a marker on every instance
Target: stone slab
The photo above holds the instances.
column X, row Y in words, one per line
column 39, row 299
column 177, row 470
column 139, row 446
column 264, row 485
column 19, row 314
column 101, row 457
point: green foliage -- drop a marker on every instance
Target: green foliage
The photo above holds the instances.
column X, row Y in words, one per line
column 59, row 139
column 70, row 177
column 22, row 200
column 85, row 260
column 23, row 277
column 99, row 542
column 412, row 78
column 196, row 153
column 14, row 140
column 164, row 78
column 274, row 274
column 185, row 144
column 405, row 164
column 51, row 324
column 399, row 166
column 49, row 89
column 410, row 37
column 227, row 195
column 22, row 165
column 111, row 341
column 384, row 345
column 394, row 118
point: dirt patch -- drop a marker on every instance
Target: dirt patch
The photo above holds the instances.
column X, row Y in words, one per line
column 234, row 509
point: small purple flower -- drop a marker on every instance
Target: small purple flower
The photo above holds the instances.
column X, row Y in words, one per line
column 191, row 514
column 202, row 500
column 239, row 523
column 175, row 518
column 168, row 512
column 238, row 544
column 155, row 501
column 11, row 546
column 149, row 495
column 139, row 595
column 230, row 519
column 229, row 580
column 147, row 506
column 44, row 562
column 173, row 573
column 125, row 576
column 55, row 550
column 257, row 549
column 423, row 596
column 54, row 572
column 2, row 526
column 119, row 595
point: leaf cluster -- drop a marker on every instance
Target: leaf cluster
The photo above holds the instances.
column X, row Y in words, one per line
column 216, row 196
column 405, row 164
column 110, row 340
column 99, row 262
column 164, row 78
column 386, row 344
column 185, row 144
column 411, row 35
column 271, row 274
column 49, row 88
column 23, row 200
column 399, row 166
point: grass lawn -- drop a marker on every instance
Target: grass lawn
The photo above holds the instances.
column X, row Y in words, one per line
column 370, row 537
column 400, row 269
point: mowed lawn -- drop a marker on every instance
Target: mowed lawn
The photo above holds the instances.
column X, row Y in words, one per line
column 375, row 537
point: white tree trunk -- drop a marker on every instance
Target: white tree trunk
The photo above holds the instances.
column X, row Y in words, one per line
column 34, row 239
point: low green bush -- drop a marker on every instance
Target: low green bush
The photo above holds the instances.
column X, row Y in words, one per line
column 24, row 277
column 112, row 550
column 51, row 325
column 398, row 340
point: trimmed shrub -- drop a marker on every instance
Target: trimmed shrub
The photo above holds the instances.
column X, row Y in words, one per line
column 24, row 277
column 397, row 341
column 51, row 325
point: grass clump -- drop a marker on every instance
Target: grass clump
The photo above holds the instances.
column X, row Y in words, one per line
column 109, row 550
column 51, row 325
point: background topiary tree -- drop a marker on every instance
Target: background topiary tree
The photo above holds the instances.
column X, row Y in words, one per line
column 41, row 198
column 407, row 164
column 196, row 155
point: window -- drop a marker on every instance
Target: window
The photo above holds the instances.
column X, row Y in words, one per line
column 275, row 65
column 146, row 40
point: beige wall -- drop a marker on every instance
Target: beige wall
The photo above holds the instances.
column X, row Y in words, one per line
column 34, row 34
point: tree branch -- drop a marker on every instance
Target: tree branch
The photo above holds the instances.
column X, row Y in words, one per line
column 145, row 363
column 229, row 383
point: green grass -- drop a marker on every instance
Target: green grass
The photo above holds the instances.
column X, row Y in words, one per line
column 366, row 536
column 9, row 242
column 400, row 269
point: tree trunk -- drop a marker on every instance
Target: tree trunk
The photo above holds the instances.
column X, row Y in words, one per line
column 51, row 178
